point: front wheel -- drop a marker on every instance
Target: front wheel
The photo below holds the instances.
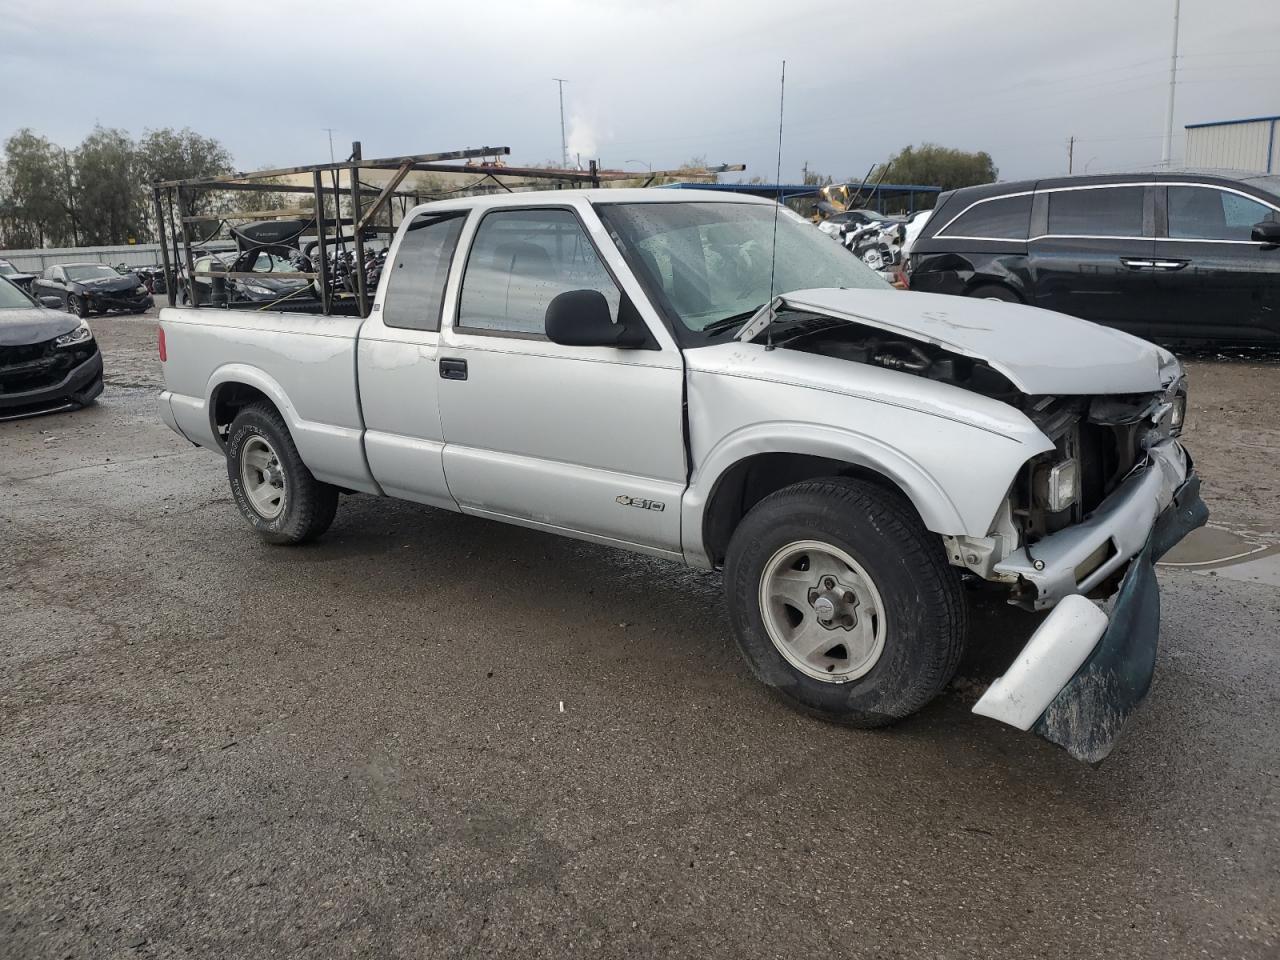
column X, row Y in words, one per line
column 843, row 603
column 271, row 485
column 77, row 306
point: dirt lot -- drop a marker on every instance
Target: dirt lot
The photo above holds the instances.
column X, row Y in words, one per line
column 214, row 748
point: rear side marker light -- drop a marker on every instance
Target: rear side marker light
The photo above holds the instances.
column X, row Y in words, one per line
column 164, row 353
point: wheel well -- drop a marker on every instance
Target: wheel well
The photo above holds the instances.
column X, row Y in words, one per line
column 977, row 283
column 749, row 481
column 229, row 399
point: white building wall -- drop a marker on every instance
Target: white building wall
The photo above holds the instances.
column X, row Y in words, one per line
column 1248, row 145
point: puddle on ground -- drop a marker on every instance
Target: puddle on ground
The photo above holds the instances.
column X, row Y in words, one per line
column 1218, row 552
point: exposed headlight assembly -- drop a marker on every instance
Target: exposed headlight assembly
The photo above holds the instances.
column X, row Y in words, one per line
column 79, row 335
column 1064, row 485
column 142, row 288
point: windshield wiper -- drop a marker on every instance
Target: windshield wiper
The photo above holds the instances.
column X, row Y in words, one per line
column 726, row 324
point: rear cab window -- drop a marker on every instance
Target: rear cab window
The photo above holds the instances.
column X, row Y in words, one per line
column 416, row 283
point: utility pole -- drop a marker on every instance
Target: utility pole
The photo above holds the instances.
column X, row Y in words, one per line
column 329, row 130
column 1071, row 150
column 1173, row 81
column 564, row 144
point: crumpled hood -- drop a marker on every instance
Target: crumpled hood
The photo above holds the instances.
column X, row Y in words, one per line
column 118, row 284
column 19, row 327
column 1041, row 352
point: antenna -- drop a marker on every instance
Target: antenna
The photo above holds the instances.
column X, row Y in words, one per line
column 777, row 182
column 564, row 144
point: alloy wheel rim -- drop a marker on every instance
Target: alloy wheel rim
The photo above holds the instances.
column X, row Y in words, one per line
column 262, row 477
column 822, row 611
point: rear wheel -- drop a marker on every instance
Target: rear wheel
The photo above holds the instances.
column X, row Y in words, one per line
column 843, row 603
column 271, row 485
column 994, row 291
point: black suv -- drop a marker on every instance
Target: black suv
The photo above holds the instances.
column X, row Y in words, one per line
column 1175, row 257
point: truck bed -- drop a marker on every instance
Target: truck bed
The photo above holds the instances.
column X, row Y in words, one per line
column 305, row 364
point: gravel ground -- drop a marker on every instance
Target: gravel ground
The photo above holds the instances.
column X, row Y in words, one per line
column 431, row 735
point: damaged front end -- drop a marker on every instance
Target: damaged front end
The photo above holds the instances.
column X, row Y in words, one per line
column 1083, row 521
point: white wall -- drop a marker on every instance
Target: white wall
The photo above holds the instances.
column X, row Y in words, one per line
column 1235, row 146
column 135, row 255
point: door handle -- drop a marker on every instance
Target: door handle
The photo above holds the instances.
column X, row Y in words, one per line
column 453, row 368
column 1170, row 264
column 1138, row 264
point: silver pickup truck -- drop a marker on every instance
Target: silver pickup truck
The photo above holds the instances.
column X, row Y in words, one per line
column 615, row 365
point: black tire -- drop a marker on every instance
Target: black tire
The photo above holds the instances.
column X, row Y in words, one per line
column 76, row 305
column 995, row 291
column 925, row 616
column 308, row 505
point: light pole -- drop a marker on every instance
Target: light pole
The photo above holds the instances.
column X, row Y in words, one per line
column 647, row 165
column 1173, row 81
column 329, row 130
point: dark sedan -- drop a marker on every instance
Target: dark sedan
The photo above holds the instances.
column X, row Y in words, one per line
column 16, row 276
column 48, row 360
column 85, row 288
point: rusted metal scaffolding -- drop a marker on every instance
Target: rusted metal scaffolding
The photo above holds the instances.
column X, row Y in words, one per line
column 181, row 233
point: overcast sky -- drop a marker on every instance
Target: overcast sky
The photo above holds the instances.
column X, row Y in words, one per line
column 649, row 82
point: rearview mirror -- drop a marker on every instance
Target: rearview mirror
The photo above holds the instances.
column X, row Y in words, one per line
column 1268, row 232
column 581, row 318
column 53, row 303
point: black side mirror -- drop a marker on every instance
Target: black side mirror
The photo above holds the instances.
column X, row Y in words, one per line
column 1268, row 232
column 580, row 318
column 53, row 303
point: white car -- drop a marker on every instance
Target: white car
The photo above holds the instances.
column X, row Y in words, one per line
column 707, row 379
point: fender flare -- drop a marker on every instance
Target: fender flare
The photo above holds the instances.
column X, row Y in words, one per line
column 935, row 506
column 251, row 377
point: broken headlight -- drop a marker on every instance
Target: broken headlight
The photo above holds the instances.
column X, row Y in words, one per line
column 1058, row 486
column 1178, row 413
column 79, row 335
column 142, row 288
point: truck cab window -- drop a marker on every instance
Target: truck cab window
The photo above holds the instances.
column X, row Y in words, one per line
column 415, row 289
column 520, row 261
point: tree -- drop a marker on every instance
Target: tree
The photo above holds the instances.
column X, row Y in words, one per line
column 106, row 188
column 34, row 205
column 168, row 154
column 935, row 165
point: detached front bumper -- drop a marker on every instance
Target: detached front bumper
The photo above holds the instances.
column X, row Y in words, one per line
column 1082, row 674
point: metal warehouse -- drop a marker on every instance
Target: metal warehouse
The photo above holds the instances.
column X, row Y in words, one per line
column 1249, row 144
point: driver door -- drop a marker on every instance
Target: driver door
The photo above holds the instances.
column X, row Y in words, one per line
column 586, row 441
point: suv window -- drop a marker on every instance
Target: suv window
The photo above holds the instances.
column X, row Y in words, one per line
column 1097, row 212
column 1206, row 213
column 1004, row 218
column 520, row 261
column 415, row 289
